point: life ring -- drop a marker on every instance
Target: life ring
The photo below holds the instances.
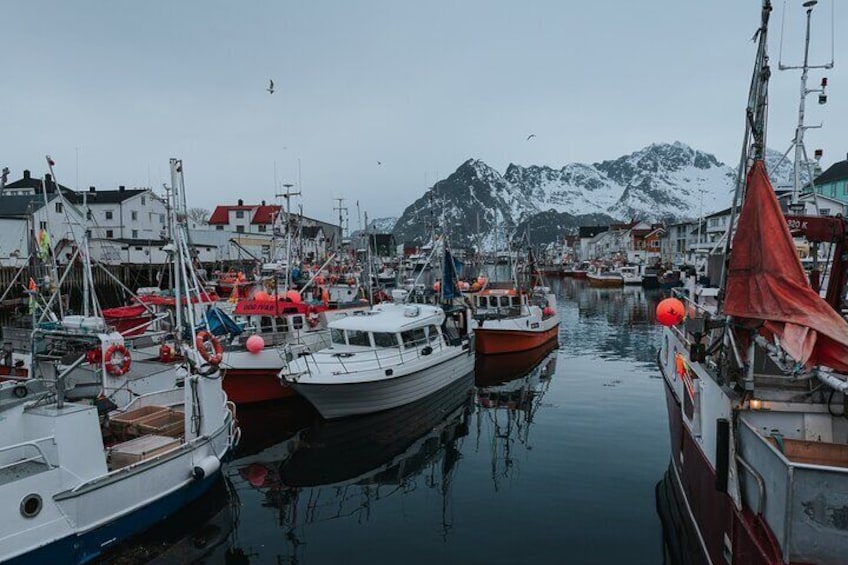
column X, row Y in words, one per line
column 200, row 342
column 312, row 317
column 117, row 369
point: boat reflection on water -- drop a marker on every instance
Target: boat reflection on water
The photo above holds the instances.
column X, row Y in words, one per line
column 510, row 389
column 340, row 468
column 680, row 541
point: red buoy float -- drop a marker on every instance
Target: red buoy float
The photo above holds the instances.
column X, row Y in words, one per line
column 670, row 312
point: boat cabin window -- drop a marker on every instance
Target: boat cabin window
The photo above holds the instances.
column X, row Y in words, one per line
column 383, row 339
column 297, row 322
column 357, row 337
column 282, row 324
column 265, row 324
column 505, row 301
column 337, row 336
column 432, row 333
column 516, row 301
column 411, row 338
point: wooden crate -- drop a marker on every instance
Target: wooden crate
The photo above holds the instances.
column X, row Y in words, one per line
column 126, row 425
column 167, row 423
column 139, row 449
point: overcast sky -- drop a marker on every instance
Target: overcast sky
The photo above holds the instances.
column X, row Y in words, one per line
column 420, row 86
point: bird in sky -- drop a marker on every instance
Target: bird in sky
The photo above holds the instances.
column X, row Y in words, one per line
column 379, row 163
column 270, row 88
column 531, row 136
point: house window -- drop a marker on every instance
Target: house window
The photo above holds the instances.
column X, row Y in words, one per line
column 43, row 225
column 161, row 218
column 239, row 214
column 108, row 214
column 109, row 234
column 135, row 234
column 824, row 211
column 134, row 215
column 713, row 222
column 262, row 227
column 143, row 200
column 58, row 207
column 219, row 228
column 240, row 229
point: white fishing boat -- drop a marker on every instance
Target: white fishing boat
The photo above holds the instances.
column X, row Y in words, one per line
column 389, row 356
column 76, row 479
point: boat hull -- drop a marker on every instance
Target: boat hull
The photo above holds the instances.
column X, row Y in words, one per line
column 721, row 528
column 248, row 386
column 605, row 282
column 80, row 524
column 496, row 341
column 87, row 546
column 338, row 400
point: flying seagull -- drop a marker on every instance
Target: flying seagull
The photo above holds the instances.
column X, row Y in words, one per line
column 531, row 136
column 379, row 163
column 270, row 88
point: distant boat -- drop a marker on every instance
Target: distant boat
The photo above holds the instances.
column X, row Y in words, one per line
column 630, row 275
column 605, row 279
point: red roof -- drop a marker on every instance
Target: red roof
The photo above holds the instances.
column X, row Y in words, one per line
column 221, row 215
column 265, row 214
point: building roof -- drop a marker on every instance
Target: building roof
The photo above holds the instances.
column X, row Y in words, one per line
column 311, row 232
column 836, row 172
column 21, row 205
column 720, row 213
column 265, row 214
column 28, row 181
column 93, row 197
column 221, row 215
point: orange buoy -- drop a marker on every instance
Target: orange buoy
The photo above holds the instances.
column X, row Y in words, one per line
column 670, row 312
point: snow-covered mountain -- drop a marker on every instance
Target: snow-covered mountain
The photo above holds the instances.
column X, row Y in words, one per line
column 661, row 182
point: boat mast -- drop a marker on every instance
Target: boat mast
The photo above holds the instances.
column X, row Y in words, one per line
column 754, row 141
column 288, row 195
column 800, row 150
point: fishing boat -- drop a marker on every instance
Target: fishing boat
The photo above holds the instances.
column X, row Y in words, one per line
column 386, row 357
column 77, row 478
column 605, row 278
column 508, row 319
column 757, row 379
column 630, row 275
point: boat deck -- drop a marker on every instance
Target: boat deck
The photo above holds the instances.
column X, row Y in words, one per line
column 21, row 470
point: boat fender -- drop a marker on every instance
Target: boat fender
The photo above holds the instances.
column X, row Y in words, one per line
column 206, row 467
column 21, row 391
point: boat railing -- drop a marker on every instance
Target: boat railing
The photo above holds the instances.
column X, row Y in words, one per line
column 385, row 357
column 23, row 446
column 805, row 500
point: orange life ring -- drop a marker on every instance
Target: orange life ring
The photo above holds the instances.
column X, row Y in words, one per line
column 200, row 342
column 117, row 369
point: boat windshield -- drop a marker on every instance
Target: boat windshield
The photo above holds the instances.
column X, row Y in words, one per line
column 337, row 336
column 358, row 337
column 383, row 339
column 413, row 337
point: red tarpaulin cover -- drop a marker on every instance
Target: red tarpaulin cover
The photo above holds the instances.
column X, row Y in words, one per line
column 765, row 281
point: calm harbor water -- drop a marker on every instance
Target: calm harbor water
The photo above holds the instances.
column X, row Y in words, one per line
column 554, row 464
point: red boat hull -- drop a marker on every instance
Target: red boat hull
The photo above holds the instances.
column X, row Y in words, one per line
column 712, row 513
column 248, row 386
column 492, row 342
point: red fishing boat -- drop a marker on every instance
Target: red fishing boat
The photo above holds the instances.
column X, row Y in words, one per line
column 509, row 320
column 757, row 380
